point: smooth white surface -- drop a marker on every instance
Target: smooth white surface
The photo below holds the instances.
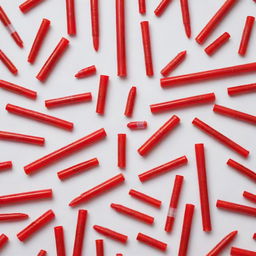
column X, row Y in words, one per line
column 168, row 38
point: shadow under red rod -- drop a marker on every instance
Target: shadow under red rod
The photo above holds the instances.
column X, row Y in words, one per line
column 241, row 252
column 249, row 196
column 5, row 165
column 102, row 94
column 59, row 241
column 85, row 72
column 130, row 102
column 13, row 216
column 29, row 4
column 8, row 63
column 99, row 247
column 185, row 17
column 241, row 89
column 152, row 242
column 3, row 240
column 142, row 6
column 121, row 150
column 71, row 17
column 162, row 7
column 42, row 253
column 95, row 23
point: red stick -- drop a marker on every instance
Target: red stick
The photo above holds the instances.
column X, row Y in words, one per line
column 142, row 6
column 8, row 63
column 130, row 102
column 249, row 196
column 59, row 241
column 161, row 7
column 42, row 253
column 99, row 247
column 85, row 72
column 241, row 89
column 241, row 252
column 95, row 23
column 13, row 216
column 137, row 125
column 3, row 240
column 254, row 236
column 102, row 94
column 185, row 16
column 28, row 5
column 151, row 242
column 121, row 151
column 71, row 17
column 5, row 165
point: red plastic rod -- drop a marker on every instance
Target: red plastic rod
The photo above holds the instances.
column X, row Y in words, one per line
column 222, row 244
column 208, row 75
column 184, row 102
column 85, row 72
column 80, row 230
column 78, row 168
column 151, row 242
column 161, row 7
column 241, row 252
column 185, row 16
column 145, row 198
column 159, row 135
column 142, row 6
column 217, row 44
column 130, row 102
column 31, row 114
column 64, row 151
column 7, row 62
column 147, row 47
column 254, row 236
column 220, row 137
column 121, row 150
column 246, row 35
column 249, row 196
column 5, row 165
column 175, row 62
column 28, row 5
column 13, row 216
column 3, row 240
column 138, row 125
column 52, row 60
column 241, row 89
column 95, row 23
column 99, row 189
column 99, row 247
column 102, row 94
column 71, row 17
column 173, row 205
column 7, row 23
column 38, row 41
column 42, row 253
column 111, row 234
column 159, row 170
column 203, row 188
column 59, row 241
column 36, row 225
column 215, row 20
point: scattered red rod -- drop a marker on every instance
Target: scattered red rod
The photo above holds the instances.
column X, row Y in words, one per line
column 220, row 137
column 64, row 151
column 28, row 5
column 222, row 244
column 42, row 253
column 161, row 7
column 186, row 228
column 175, row 62
column 78, row 168
column 185, row 16
column 159, row 135
column 13, row 216
column 147, row 47
column 52, row 60
column 254, row 236
column 38, row 116
column 241, row 252
column 38, row 41
column 99, row 247
column 120, row 38
column 3, row 240
column 59, row 241
column 36, row 225
column 80, row 230
column 85, row 72
column 102, row 94
column 111, row 234
column 142, row 6
column 7, row 62
column 208, row 75
column 71, row 18
column 134, row 214
column 249, row 196
column 184, row 102
column 159, row 170
column 99, row 189
column 215, row 20
column 95, row 23
column 130, row 102
column 138, row 125
column 246, row 35
column 217, row 43
column 5, row 165
column 145, row 198
column 7, row 23
column 241, row 89
column 121, row 150
column 151, row 242
column 178, row 182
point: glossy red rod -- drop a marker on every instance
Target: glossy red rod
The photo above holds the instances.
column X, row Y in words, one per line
column 174, row 201
column 129, row 108
column 220, row 137
column 121, row 150
column 142, row 6
column 80, row 231
column 99, row 247
column 64, row 151
column 152, row 242
column 38, row 116
column 249, row 196
column 241, row 89
column 215, row 20
column 3, row 240
column 77, row 169
column 137, row 125
column 162, row 7
column 111, row 234
column 71, row 17
column 29, row 4
column 184, row 102
column 147, row 47
column 52, row 60
column 95, row 23
column 185, row 16
column 13, row 216
column 159, row 135
column 241, row 252
column 36, row 225
column 254, row 236
column 159, row 170
column 99, row 189
column 85, row 72
column 8, row 63
column 42, row 253
column 59, row 241
column 102, row 94
column 246, row 35
column 38, row 41
column 208, row 75
column 5, row 165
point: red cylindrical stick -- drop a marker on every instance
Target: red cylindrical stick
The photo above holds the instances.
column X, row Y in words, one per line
column 159, row 135
column 138, row 125
column 186, row 228
column 152, row 242
column 185, row 17
column 254, row 236
column 28, row 5
column 99, row 189
column 176, row 61
column 120, row 38
column 71, row 18
column 66, row 150
column 130, row 102
column 85, row 72
column 249, row 196
column 184, row 102
column 161, row 7
column 95, row 23
column 78, row 168
column 52, row 60
column 7, row 62
column 59, row 241
column 222, row 244
column 31, row 114
column 159, row 170
column 178, row 182
column 215, row 20
column 142, row 6
column 80, row 230
column 241, row 89
column 145, row 198
column 147, row 47
column 102, row 94
column 13, row 216
column 38, row 41
column 99, row 247
column 121, row 150
column 42, row 253
column 217, row 44
column 246, row 35
column 241, row 252
column 3, row 240
column 220, row 137
column 5, row 165
column 36, row 225
column 111, row 234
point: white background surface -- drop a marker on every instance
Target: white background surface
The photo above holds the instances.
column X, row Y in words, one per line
column 168, row 38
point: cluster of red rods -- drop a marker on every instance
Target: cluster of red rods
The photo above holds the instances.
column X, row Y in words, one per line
column 148, row 146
